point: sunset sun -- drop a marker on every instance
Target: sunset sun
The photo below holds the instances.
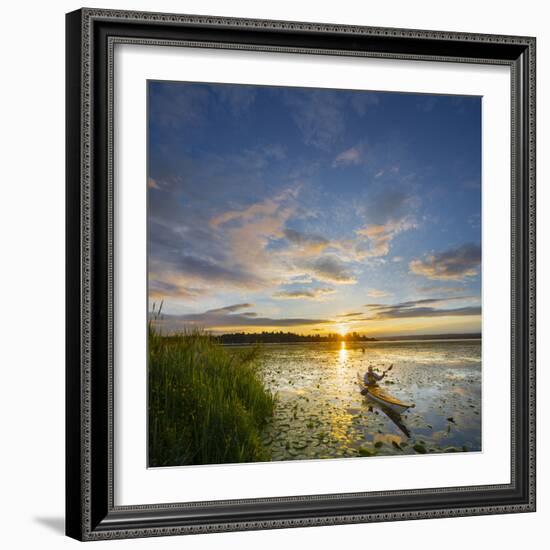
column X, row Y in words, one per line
column 342, row 330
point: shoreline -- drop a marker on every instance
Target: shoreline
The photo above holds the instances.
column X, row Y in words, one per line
column 370, row 343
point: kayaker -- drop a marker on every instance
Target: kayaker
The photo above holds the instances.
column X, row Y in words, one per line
column 371, row 378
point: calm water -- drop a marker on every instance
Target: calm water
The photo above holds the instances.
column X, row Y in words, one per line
column 321, row 414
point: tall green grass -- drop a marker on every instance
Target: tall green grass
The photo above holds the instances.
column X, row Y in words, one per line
column 207, row 404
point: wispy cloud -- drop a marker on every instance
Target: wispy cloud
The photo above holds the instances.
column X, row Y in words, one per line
column 318, row 115
column 174, row 106
column 152, row 184
column 378, row 237
column 232, row 316
column 162, row 289
column 438, row 288
column 352, row 156
column 452, row 265
column 257, row 211
column 352, row 314
column 362, row 102
column 426, row 312
column 422, row 308
column 247, row 232
column 307, row 243
column 177, row 106
column 230, row 309
column 304, row 294
column 423, row 301
column 375, row 293
column 387, row 213
column 331, row 269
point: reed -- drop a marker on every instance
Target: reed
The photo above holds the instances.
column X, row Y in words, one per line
column 207, row 404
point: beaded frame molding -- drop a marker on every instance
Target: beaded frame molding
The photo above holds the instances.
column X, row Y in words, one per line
column 91, row 37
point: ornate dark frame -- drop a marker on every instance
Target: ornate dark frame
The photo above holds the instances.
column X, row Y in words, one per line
column 90, row 510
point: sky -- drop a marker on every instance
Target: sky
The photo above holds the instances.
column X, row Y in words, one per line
column 313, row 210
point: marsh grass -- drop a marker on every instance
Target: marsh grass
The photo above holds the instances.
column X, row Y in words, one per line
column 207, row 404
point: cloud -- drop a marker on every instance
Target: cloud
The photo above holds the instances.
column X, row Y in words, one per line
column 377, row 238
column 437, row 288
column 389, row 204
column 426, row 312
column 304, row 294
column 178, row 105
column 249, row 314
column 245, row 234
column 256, row 211
column 423, row 301
column 353, row 314
column 387, row 213
column 318, row 115
column 230, row 309
column 352, row 156
column 276, row 151
column 422, row 308
column 152, row 184
column 361, row 102
column 374, row 293
column 228, row 253
column 244, row 247
column 331, row 269
column 195, row 268
column 308, row 243
column 229, row 317
column 451, row 265
column 160, row 290
column 175, row 105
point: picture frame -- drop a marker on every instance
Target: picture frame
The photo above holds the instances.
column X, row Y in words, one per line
column 91, row 510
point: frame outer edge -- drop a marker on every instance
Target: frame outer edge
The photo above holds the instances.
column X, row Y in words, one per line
column 532, row 252
column 74, row 501
column 79, row 54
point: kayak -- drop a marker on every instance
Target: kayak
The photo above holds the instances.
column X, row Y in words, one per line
column 383, row 398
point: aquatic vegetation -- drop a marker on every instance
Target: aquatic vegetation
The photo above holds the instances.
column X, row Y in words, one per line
column 319, row 403
column 207, row 403
column 420, row 448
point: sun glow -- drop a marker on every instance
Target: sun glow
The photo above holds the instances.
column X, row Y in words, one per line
column 342, row 330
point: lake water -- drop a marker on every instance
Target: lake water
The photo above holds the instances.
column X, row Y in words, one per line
column 320, row 412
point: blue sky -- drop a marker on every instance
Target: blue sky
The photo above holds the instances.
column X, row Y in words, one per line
column 314, row 210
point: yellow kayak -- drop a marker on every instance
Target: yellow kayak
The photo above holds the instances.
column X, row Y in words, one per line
column 383, row 398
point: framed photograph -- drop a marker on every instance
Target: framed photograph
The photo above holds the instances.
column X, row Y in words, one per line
column 300, row 274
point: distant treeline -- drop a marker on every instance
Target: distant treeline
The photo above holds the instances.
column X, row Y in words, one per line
column 286, row 337
column 469, row 336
